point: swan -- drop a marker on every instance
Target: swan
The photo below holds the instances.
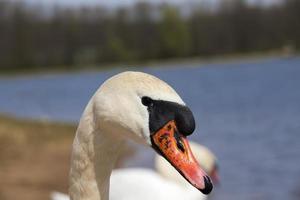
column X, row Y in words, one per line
column 124, row 180
column 166, row 183
column 131, row 106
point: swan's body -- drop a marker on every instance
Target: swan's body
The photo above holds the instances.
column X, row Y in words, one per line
column 126, row 183
column 134, row 106
column 145, row 184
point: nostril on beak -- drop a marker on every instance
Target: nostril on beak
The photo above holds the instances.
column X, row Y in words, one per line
column 179, row 142
column 208, row 185
column 180, row 145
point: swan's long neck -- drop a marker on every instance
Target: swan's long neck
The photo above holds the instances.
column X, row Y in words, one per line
column 93, row 158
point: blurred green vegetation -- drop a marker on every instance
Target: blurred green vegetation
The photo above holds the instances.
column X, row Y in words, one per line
column 34, row 37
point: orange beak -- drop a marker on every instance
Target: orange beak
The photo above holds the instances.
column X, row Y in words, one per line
column 176, row 149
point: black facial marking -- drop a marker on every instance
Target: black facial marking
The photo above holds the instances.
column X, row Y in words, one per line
column 147, row 101
column 161, row 112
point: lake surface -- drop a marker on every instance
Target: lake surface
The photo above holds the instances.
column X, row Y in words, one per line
column 247, row 113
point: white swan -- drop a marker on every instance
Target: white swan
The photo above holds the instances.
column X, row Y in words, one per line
column 141, row 183
column 146, row 184
column 136, row 106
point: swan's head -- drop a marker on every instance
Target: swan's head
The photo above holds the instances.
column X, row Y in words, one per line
column 144, row 108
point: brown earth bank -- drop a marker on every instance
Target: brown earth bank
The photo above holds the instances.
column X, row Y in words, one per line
column 35, row 158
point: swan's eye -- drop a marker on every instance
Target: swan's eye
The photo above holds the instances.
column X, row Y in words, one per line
column 147, row 101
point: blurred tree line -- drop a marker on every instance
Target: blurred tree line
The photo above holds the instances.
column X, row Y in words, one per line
column 36, row 37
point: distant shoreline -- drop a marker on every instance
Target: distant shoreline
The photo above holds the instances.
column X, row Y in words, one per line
column 217, row 59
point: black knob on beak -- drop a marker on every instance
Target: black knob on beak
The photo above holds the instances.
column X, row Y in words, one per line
column 185, row 121
column 161, row 112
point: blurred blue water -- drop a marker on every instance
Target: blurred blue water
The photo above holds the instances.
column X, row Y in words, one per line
column 248, row 113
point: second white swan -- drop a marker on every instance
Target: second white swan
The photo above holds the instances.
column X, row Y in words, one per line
column 146, row 184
